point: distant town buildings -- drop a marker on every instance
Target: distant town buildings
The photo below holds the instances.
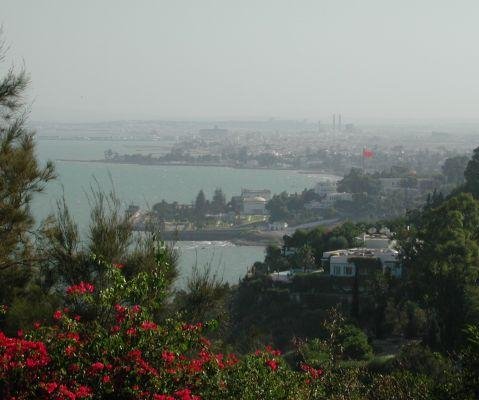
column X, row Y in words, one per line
column 213, row 133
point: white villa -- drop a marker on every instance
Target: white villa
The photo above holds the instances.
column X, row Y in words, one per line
column 376, row 247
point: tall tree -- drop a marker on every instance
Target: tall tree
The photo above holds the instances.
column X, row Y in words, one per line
column 218, row 204
column 471, row 174
column 442, row 264
column 453, row 169
column 21, row 175
column 358, row 182
column 200, row 204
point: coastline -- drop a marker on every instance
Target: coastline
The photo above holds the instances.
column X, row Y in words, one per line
column 238, row 238
column 169, row 164
column 243, row 237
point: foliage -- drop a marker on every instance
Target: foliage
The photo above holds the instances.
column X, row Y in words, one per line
column 291, row 207
column 359, row 182
column 21, row 176
column 355, row 343
column 453, row 169
column 471, row 174
column 123, row 353
column 441, row 257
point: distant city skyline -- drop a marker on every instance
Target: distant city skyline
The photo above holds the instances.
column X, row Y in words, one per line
column 371, row 60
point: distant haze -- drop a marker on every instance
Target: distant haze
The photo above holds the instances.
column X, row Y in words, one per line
column 96, row 60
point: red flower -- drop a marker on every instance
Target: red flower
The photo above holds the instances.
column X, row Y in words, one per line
column 70, row 350
column 57, row 314
column 185, row 394
column 131, row 332
column 97, row 367
column 273, row 364
column 37, row 325
column 119, row 266
column 168, row 356
column 191, row 327
column 135, row 354
column 81, row 288
column 163, row 397
column 313, row 372
column 106, row 379
column 83, row 391
column 67, row 394
column 50, row 387
column 148, row 326
column 136, row 309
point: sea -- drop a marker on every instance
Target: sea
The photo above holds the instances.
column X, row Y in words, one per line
column 145, row 185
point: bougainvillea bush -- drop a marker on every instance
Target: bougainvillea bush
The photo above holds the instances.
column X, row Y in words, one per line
column 107, row 342
column 101, row 346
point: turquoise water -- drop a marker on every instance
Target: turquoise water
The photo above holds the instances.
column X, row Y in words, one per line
column 146, row 185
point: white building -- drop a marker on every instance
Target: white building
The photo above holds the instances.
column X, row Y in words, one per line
column 376, row 241
column 254, row 205
column 341, row 264
column 332, row 198
column 251, row 193
column 324, row 187
column 278, row 226
column 391, row 184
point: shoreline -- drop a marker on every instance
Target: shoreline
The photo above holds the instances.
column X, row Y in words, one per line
column 242, row 237
column 168, row 164
column 238, row 238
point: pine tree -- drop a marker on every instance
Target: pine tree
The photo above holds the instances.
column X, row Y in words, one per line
column 218, row 203
column 200, row 204
column 471, row 174
column 21, row 176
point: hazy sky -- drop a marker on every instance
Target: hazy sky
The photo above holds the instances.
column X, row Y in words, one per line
column 155, row 59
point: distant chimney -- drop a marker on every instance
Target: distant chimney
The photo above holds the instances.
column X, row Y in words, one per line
column 339, row 123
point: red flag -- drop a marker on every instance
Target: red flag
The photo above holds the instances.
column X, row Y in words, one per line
column 367, row 153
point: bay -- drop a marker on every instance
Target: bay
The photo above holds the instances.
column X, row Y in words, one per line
column 146, row 185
